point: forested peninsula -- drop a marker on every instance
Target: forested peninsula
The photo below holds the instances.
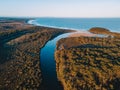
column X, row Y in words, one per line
column 89, row 63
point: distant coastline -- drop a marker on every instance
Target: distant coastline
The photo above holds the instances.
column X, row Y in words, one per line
column 78, row 24
column 33, row 22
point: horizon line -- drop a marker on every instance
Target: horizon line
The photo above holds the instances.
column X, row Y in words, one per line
column 49, row 17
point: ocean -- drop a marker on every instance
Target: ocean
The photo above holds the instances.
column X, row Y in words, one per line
column 81, row 24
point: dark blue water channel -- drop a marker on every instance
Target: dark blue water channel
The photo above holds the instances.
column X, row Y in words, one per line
column 48, row 65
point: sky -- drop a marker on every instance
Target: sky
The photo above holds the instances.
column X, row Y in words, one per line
column 60, row 8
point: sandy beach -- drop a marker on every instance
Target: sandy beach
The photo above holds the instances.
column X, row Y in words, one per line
column 82, row 33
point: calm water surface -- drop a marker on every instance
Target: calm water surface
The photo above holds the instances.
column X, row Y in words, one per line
column 82, row 24
column 48, row 65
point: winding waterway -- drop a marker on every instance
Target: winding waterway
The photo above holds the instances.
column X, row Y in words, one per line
column 48, row 65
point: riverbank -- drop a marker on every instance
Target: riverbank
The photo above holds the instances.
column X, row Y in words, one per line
column 20, row 62
column 85, row 63
column 48, row 65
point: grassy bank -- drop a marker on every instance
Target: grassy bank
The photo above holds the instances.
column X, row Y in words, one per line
column 20, row 45
column 89, row 63
column 104, row 31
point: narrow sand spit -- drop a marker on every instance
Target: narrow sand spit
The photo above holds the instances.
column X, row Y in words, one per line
column 82, row 33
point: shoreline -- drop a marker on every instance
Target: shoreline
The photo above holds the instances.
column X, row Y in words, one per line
column 47, row 26
column 86, row 26
column 77, row 32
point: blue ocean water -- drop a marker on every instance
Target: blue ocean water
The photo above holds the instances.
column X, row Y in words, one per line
column 82, row 24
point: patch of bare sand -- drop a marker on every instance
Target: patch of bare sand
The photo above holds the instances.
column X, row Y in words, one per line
column 82, row 33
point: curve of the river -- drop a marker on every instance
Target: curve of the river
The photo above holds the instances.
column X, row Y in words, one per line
column 48, row 65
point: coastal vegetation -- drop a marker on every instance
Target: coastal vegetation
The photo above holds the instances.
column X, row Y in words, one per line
column 89, row 63
column 104, row 31
column 82, row 63
column 20, row 46
column 99, row 30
